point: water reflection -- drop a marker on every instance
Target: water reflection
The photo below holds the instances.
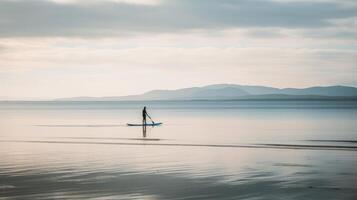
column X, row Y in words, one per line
column 144, row 131
column 215, row 151
column 175, row 144
column 153, row 172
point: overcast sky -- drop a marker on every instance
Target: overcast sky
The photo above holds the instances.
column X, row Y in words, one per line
column 63, row 48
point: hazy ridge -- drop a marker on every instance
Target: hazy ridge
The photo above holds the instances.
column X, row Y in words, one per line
column 233, row 91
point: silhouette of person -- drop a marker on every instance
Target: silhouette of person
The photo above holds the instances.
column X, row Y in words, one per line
column 144, row 116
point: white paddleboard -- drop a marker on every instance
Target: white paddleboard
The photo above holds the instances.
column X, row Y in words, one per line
column 148, row 124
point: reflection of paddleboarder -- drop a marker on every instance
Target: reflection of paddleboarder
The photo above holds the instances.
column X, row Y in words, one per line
column 144, row 131
column 144, row 116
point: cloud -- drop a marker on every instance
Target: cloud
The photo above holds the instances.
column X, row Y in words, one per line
column 73, row 18
column 100, row 47
column 102, row 54
column 105, row 72
column 143, row 2
column 2, row 48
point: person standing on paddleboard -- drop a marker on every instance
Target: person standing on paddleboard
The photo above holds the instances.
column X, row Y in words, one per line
column 144, row 116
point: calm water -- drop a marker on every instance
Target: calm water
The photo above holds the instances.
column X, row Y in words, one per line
column 204, row 150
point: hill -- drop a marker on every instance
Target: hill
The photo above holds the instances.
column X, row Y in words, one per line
column 233, row 91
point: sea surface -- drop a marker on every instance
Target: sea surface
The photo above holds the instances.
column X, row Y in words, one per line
column 204, row 150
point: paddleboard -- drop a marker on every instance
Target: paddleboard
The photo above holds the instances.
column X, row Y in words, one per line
column 148, row 124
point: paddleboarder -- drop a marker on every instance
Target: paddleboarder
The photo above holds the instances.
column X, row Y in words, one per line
column 144, row 116
column 144, row 123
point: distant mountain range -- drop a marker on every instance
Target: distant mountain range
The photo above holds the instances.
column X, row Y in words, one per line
column 233, row 92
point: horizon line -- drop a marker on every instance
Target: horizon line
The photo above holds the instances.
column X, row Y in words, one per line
column 6, row 98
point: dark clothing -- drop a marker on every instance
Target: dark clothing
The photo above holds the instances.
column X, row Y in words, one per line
column 144, row 114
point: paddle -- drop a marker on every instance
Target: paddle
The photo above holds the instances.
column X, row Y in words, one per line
column 150, row 118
